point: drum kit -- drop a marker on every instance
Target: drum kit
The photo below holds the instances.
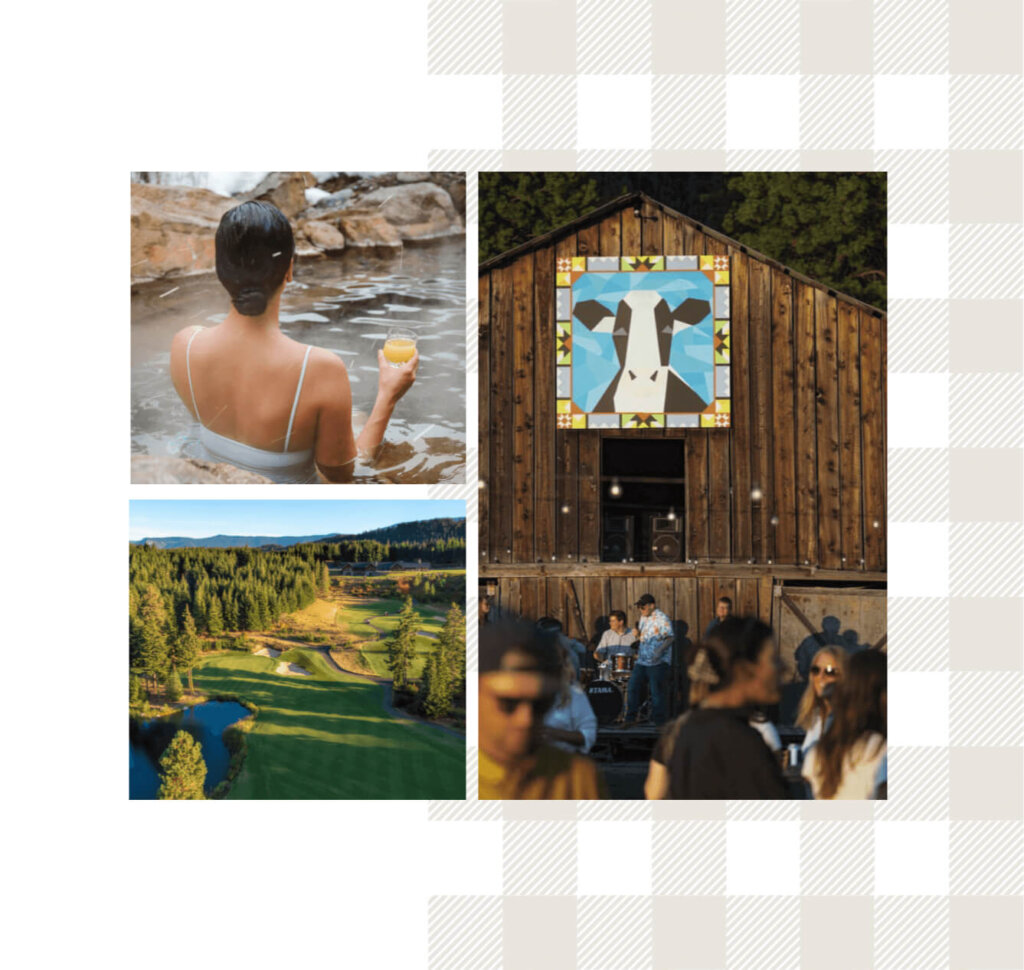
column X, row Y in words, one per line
column 606, row 687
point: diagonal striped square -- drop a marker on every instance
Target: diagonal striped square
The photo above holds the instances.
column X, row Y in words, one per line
column 920, row 625
column 986, row 859
column 974, row 691
column 971, row 278
column 911, row 932
column 918, row 185
column 762, row 932
column 613, row 37
column 450, row 23
column 688, row 858
column 538, row 111
column 837, row 858
column 918, row 334
column 613, row 932
column 918, row 785
column 539, row 858
column 762, row 37
column 450, row 947
column 821, row 126
column 688, row 112
column 973, row 426
column 928, row 499
column 911, row 37
column 986, row 559
column 986, row 111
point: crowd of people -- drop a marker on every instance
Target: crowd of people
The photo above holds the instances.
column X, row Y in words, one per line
column 537, row 725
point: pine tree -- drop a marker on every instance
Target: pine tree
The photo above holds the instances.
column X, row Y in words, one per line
column 452, row 646
column 214, row 617
column 439, row 693
column 136, row 692
column 173, row 685
column 402, row 645
column 182, row 768
column 152, row 634
column 325, row 579
column 185, row 647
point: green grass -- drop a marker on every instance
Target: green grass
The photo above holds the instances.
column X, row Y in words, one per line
column 373, row 651
column 328, row 736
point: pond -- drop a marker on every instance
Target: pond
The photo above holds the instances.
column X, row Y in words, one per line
column 148, row 740
column 346, row 305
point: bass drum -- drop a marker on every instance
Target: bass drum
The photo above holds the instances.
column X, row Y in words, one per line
column 606, row 699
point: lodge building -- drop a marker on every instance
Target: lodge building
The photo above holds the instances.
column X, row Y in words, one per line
column 783, row 509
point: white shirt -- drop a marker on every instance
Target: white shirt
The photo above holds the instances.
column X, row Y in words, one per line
column 861, row 769
column 813, row 734
column 575, row 715
column 614, row 644
column 767, row 731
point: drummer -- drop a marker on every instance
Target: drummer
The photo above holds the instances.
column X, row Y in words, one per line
column 617, row 640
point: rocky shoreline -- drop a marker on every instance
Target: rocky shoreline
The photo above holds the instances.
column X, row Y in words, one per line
column 173, row 226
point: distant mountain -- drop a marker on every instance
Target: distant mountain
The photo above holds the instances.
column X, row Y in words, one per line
column 425, row 531
column 228, row 542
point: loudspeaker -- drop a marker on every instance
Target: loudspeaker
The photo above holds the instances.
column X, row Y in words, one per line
column 666, row 539
column 617, row 543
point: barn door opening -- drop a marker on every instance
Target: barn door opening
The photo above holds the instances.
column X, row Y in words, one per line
column 642, row 499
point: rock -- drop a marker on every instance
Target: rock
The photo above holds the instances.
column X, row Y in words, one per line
column 323, row 235
column 304, row 249
column 418, row 210
column 173, row 229
column 159, row 470
column 412, row 176
column 286, row 190
column 368, row 231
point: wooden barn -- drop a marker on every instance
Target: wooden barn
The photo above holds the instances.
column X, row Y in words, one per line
column 784, row 510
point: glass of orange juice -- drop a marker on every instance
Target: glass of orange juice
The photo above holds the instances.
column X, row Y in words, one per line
column 400, row 346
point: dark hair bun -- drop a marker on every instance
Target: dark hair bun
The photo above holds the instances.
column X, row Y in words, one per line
column 254, row 248
column 250, row 302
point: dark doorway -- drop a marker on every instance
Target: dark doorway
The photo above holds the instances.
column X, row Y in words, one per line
column 642, row 500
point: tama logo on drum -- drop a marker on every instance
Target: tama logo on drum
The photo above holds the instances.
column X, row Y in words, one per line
column 602, row 689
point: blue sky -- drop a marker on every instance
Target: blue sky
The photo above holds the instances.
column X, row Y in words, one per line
column 244, row 517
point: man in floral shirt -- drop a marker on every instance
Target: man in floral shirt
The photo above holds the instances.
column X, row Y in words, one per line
column 653, row 663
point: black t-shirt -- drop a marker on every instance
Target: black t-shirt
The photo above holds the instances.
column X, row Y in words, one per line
column 715, row 753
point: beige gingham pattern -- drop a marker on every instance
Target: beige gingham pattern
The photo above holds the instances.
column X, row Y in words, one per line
column 929, row 91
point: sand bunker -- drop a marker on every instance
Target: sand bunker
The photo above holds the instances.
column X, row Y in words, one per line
column 268, row 652
column 285, row 668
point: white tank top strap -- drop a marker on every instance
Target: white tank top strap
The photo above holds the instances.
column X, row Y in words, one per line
column 188, row 371
column 295, row 403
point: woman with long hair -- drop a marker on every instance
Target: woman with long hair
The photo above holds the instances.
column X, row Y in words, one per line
column 570, row 722
column 847, row 761
column 816, row 704
column 265, row 402
column 712, row 751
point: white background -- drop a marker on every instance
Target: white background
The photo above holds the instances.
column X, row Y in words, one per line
column 92, row 879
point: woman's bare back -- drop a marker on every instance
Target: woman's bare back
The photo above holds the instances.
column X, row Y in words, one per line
column 245, row 384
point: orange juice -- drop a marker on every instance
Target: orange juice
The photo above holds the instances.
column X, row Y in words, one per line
column 398, row 350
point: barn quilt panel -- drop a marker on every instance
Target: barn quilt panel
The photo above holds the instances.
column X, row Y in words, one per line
column 642, row 342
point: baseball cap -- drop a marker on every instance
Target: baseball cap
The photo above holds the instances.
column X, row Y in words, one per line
column 644, row 600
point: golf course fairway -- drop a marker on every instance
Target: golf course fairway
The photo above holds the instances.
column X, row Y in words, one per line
column 328, row 735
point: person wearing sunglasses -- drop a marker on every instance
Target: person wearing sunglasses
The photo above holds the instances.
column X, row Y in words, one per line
column 815, row 707
column 850, row 758
column 520, row 677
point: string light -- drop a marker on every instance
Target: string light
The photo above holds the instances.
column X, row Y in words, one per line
column 774, row 520
column 481, row 484
column 615, row 489
column 671, row 514
column 876, row 524
column 565, row 509
column 756, row 494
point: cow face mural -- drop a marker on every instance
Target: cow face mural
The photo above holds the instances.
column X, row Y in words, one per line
column 642, row 342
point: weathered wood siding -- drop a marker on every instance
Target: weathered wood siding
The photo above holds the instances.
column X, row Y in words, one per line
column 808, row 417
